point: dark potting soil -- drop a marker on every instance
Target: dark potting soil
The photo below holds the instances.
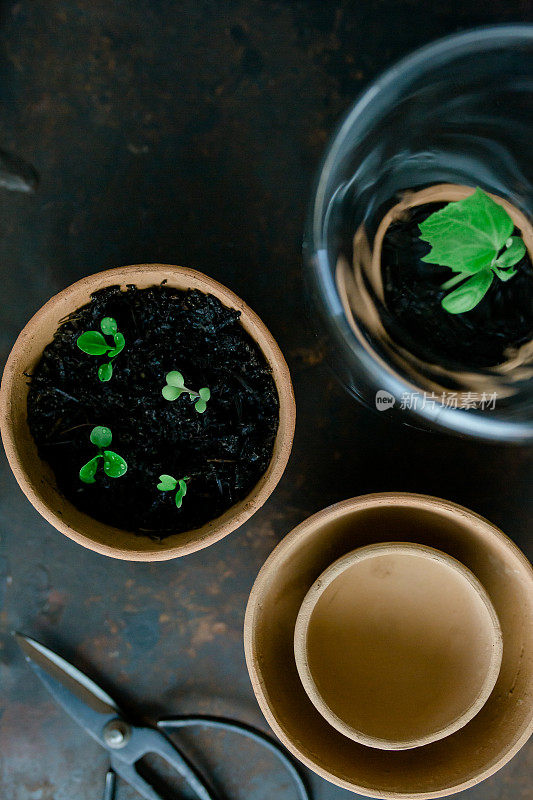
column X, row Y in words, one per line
column 414, row 315
column 224, row 451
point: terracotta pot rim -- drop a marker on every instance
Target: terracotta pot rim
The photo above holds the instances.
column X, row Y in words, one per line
column 215, row 529
column 316, row 591
column 261, row 585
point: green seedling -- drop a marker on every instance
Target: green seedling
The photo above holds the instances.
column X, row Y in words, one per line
column 474, row 238
column 114, row 465
column 94, row 344
column 167, row 484
column 175, row 387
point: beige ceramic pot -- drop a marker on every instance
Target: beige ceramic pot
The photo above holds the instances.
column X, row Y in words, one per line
column 452, row 764
column 397, row 645
column 35, row 477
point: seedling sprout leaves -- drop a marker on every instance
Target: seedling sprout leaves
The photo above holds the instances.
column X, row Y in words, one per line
column 109, row 326
column 176, row 379
column 469, row 294
column 94, row 344
column 513, row 254
column 105, row 372
column 113, row 464
column 182, row 491
column 88, row 471
column 468, row 236
column 175, row 386
column 120, row 342
column 101, row 436
column 167, row 484
column 201, row 403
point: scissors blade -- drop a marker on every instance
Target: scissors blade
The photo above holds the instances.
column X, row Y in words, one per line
column 79, row 696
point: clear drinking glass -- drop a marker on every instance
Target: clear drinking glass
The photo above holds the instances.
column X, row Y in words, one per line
column 458, row 111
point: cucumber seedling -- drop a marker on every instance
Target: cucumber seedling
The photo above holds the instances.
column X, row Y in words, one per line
column 94, row 344
column 167, row 484
column 175, row 386
column 114, row 465
column 474, row 238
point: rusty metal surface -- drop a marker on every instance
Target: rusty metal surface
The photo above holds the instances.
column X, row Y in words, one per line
column 188, row 132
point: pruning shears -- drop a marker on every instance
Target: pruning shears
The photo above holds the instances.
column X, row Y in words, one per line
column 126, row 743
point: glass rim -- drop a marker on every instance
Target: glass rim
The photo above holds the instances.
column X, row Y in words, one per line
column 397, row 77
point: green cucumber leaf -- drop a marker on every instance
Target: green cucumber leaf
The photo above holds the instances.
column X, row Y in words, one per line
column 101, row 436
column 176, row 379
column 92, row 343
column 167, row 483
column 114, row 465
column 109, row 326
column 119, row 345
column 468, row 234
column 182, row 491
column 469, row 294
column 88, row 471
column 200, row 405
column 105, row 372
column 516, row 250
column 505, row 274
column 171, row 392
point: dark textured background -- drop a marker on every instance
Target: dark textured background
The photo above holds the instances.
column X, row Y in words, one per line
column 189, row 132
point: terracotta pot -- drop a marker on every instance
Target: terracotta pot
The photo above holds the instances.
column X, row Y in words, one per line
column 35, row 476
column 397, row 645
column 444, row 767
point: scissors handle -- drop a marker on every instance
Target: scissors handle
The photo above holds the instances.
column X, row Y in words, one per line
column 256, row 735
column 128, row 773
column 145, row 741
column 110, row 785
